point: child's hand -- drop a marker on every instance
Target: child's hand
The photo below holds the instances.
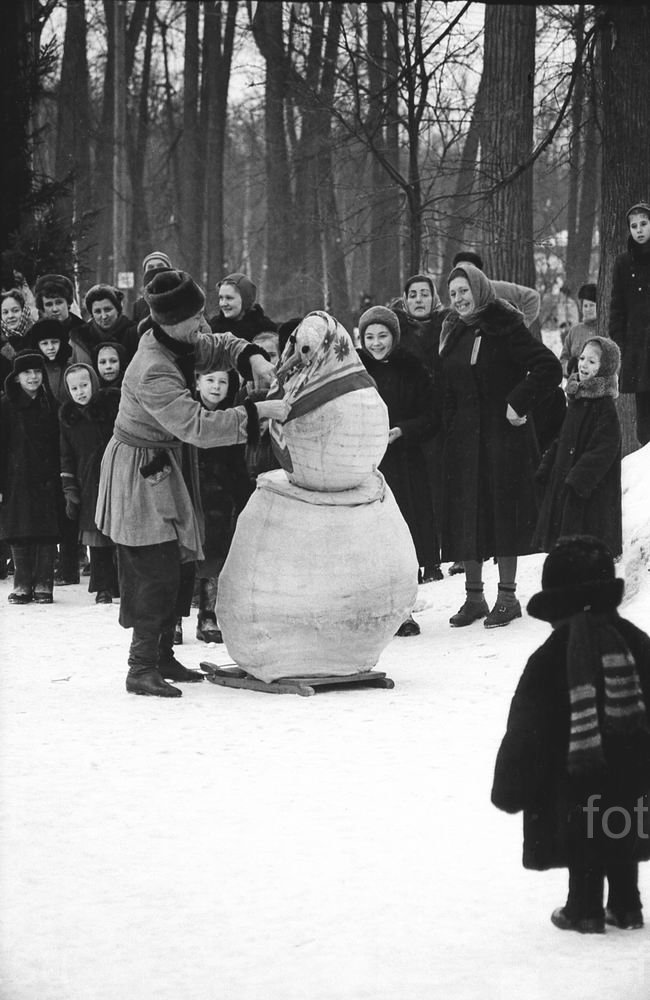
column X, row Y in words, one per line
column 394, row 433
column 273, row 409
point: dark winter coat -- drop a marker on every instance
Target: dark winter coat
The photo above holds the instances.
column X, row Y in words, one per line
column 629, row 316
column 225, row 489
column 82, row 340
column 32, row 500
column 407, row 390
column 581, row 472
column 124, row 332
column 252, row 322
column 489, row 503
column 531, row 766
column 84, row 433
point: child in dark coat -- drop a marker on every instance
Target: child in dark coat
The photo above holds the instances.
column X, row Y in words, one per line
column 629, row 314
column 225, row 489
column 86, row 424
column 576, row 754
column 30, row 490
column 407, row 390
column 581, row 470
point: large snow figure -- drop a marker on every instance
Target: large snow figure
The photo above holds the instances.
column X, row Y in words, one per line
column 322, row 569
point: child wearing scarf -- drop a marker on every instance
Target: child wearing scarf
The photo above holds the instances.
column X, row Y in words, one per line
column 86, row 424
column 581, row 471
column 576, row 754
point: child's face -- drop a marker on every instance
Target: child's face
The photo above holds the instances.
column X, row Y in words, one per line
column 378, row 341
column 639, row 224
column 419, row 300
column 589, row 310
column 30, row 380
column 11, row 313
column 213, row 388
column 104, row 313
column 55, row 307
column 108, row 364
column 230, row 301
column 49, row 347
column 80, row 387
column 589, row 361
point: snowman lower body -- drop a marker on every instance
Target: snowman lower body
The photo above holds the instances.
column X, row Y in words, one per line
column 315, row 584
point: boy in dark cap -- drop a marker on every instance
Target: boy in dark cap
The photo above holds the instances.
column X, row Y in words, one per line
column 576, row 754
column 149, row 500
column 629, row 314
column 578, row 335
column 152, row 264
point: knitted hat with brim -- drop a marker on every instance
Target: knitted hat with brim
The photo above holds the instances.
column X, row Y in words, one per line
column 173, row 296
column 384, row 316
column 245, row 287
column 53, row 286
column 587, row 293
column 578, row 575
column 100, row 292
column 25, row 360
column 155, row 260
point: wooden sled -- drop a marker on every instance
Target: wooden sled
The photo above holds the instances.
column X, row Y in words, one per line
column 235, row 677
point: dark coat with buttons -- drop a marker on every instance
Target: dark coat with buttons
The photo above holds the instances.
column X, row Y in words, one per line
column 629, row 316
column 531, row 766
column 581, row 473
column 489, row 502
column 32, row 500
column 84, row 433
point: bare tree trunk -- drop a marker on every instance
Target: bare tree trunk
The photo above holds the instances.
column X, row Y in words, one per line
column 507, row 140
column 73, row 126
column 576, row 160
column 190, row 215
column 120, row 190
column 141, row 230
column 280, row 253
column 217, row 51
column 625, row 75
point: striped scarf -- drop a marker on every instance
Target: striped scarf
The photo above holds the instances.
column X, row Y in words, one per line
column 595, row 644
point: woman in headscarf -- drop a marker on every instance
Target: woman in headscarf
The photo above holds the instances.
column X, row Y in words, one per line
column 239, row 312
column 494, row 372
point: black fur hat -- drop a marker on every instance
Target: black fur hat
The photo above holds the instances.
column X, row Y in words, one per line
column 578, row 575
column 173, row 296
column 587, row 293
column 24, row 360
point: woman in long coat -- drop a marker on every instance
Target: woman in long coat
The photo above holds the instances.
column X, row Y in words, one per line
column 494, row 372
column 31, row 500
column 407, row 390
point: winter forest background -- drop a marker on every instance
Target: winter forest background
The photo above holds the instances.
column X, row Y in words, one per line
column 328, row 149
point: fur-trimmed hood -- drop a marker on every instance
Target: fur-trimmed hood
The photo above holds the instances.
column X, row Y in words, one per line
column 498, row 319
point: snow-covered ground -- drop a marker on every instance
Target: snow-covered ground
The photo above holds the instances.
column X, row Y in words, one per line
column 231, row 845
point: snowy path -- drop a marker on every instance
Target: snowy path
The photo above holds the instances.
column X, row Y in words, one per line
column 236, row 846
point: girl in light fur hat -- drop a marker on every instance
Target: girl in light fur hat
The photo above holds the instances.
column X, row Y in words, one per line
column 581, row 471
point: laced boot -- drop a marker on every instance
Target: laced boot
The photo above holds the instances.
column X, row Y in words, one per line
column 474, row 608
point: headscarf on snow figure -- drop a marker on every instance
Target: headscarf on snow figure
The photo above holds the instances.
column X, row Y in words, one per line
column 319, row 363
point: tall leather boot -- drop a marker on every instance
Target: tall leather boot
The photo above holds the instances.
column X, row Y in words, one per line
column 143, row 676
column 207, row 629
column 168, row 666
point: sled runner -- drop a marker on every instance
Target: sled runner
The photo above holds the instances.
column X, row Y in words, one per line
column 235, row 677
